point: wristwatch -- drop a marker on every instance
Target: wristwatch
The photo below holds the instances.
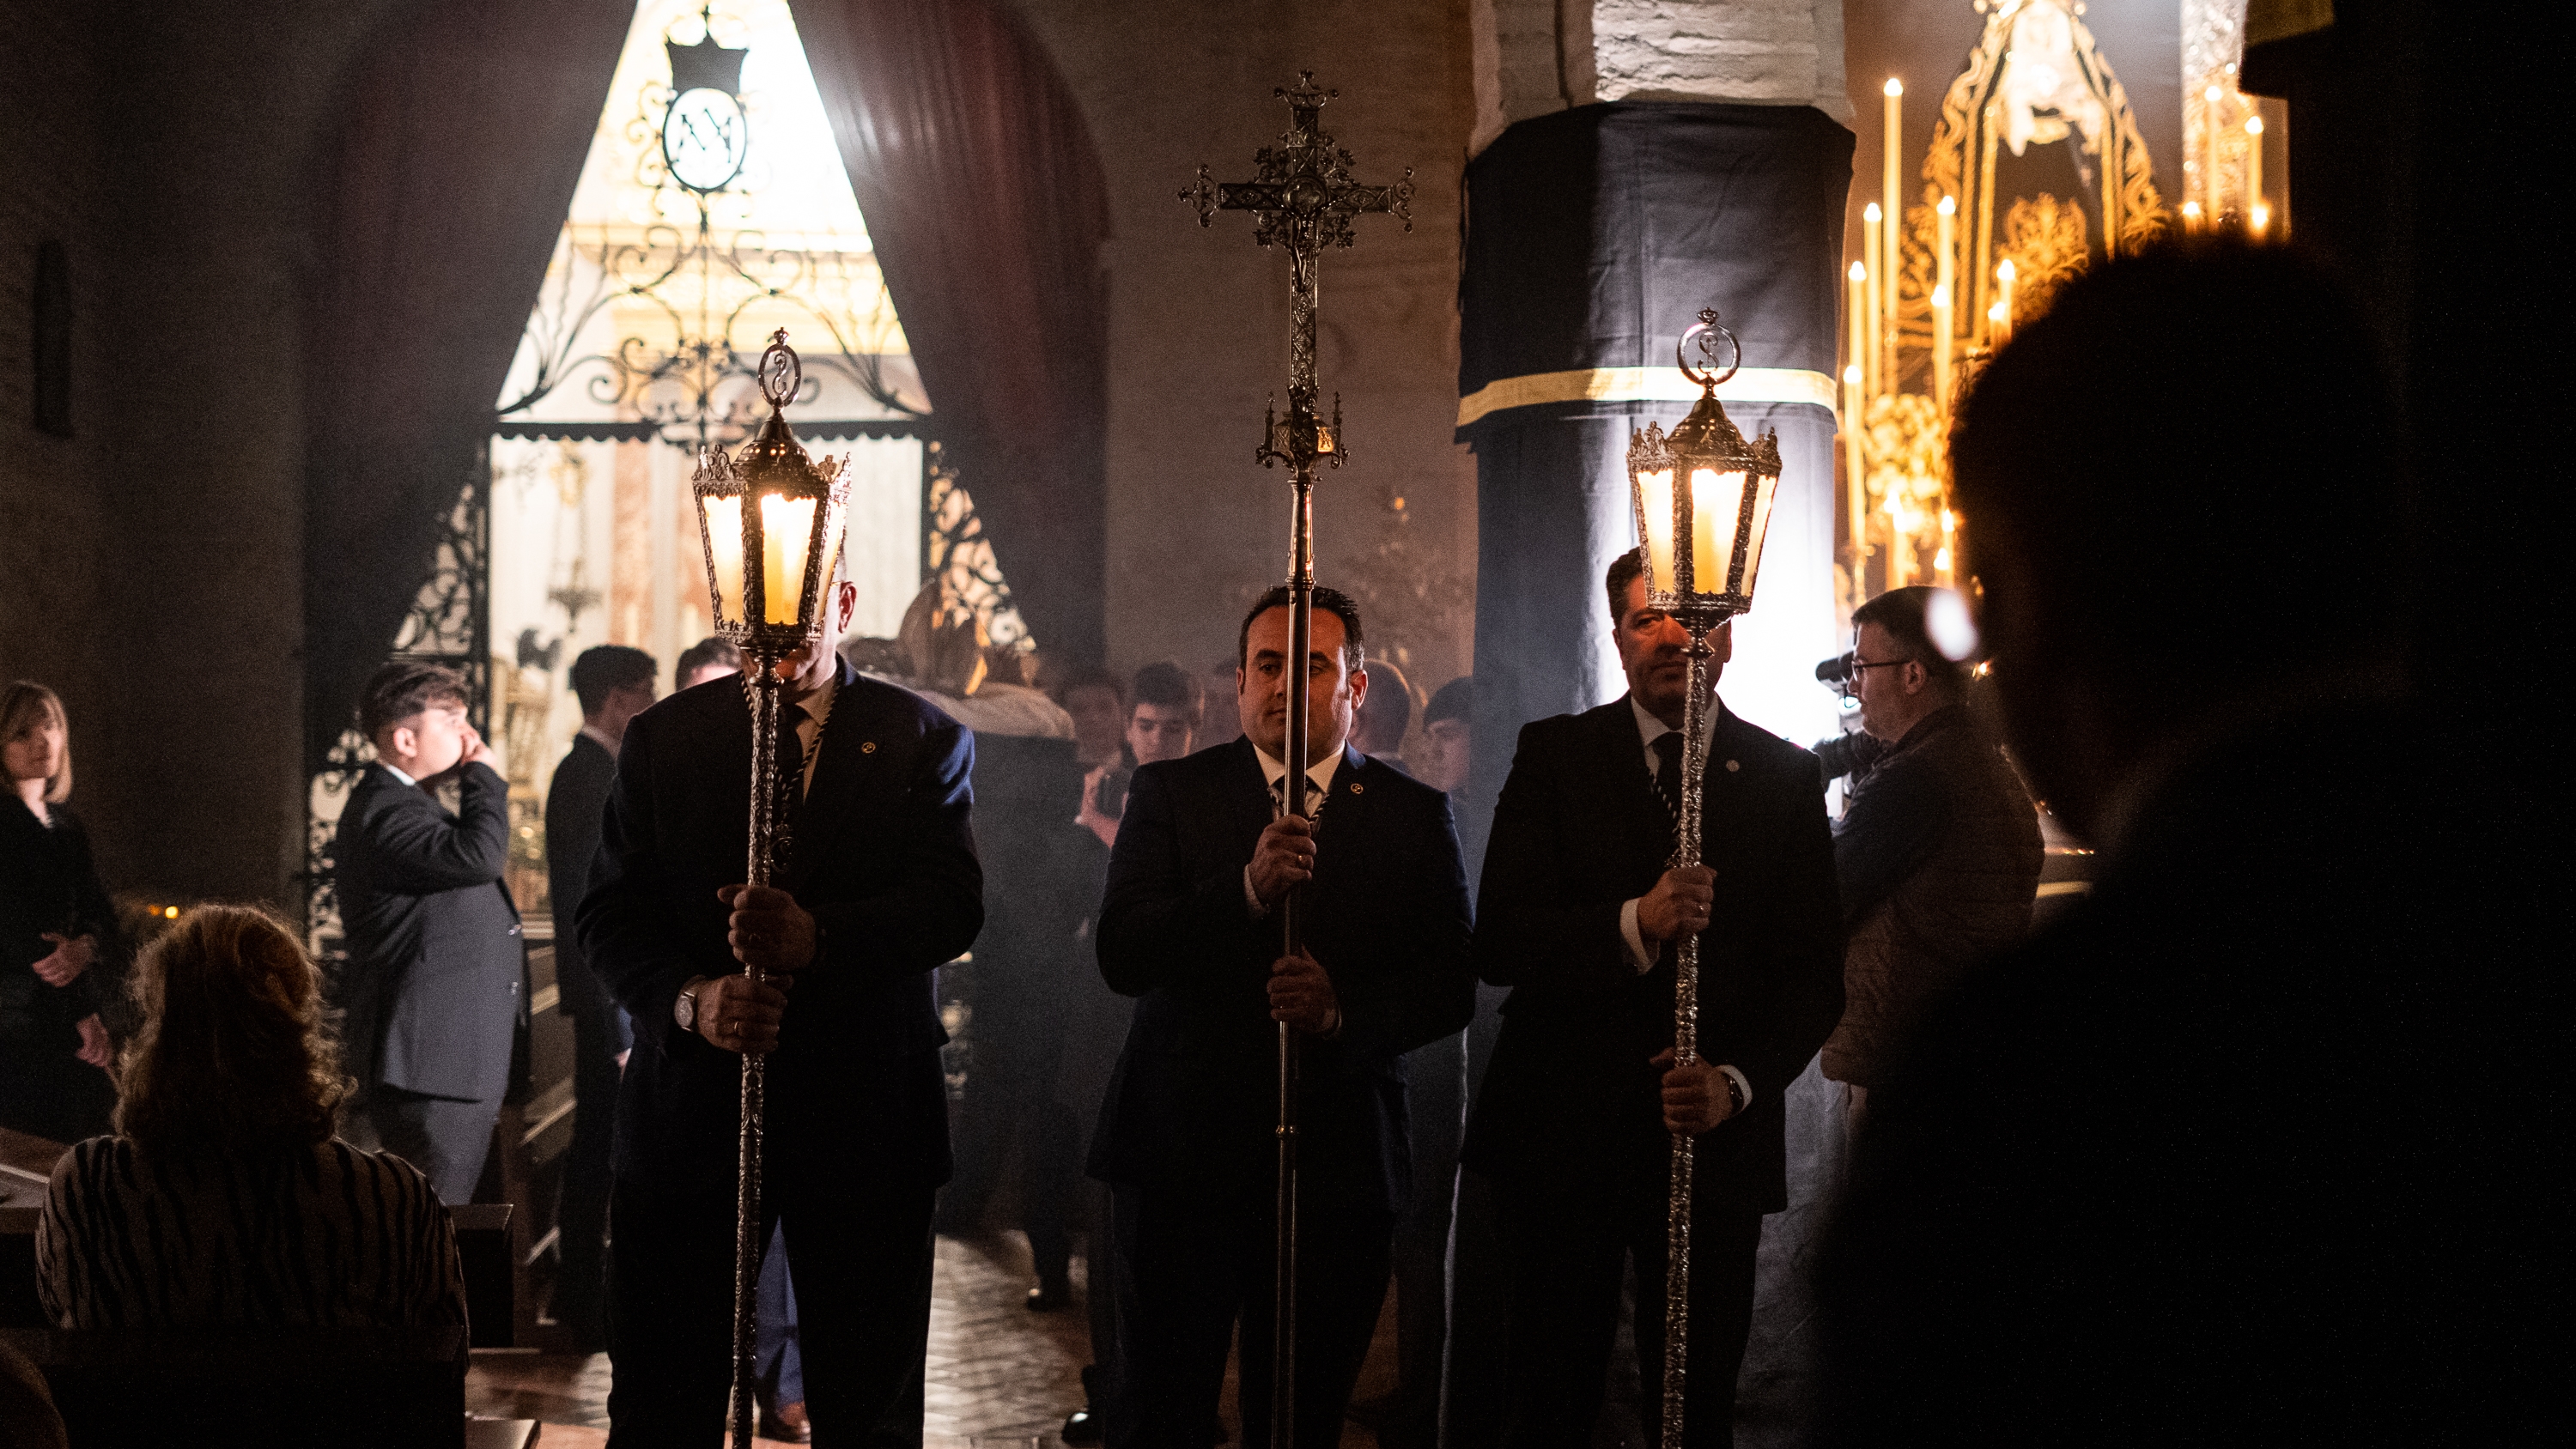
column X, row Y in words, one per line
column 684, row 1008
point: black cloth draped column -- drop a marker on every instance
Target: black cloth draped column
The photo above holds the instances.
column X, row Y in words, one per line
column 439, row 201
column 985, row 201
column 1594, row 237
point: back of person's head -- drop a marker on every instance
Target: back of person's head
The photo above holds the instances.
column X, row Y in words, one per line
column 1327, row 601
column 1454, row 700
column 403, row 688
column 2183, row 475
column 1910, row 615
column 722, row 653
column 1167, row 686
column 1087, row 676
column 604, row 669
column 1387, row 713
column 231, row 1053
column 25, row 706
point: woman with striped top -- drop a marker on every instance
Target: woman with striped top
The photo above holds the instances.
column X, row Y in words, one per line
column 225, row 1200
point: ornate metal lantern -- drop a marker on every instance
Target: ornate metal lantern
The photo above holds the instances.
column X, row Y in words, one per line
column 1703, row 496
column 770, row 519
column 771, row 522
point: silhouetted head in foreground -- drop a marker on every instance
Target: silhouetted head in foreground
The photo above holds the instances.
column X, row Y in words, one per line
column 2182, row 499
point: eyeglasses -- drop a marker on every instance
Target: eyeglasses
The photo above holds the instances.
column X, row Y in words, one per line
column 1857, row 665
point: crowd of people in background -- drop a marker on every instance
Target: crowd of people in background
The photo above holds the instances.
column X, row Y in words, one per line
column 2108, row 1184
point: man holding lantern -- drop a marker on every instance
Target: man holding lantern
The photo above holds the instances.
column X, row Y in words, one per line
column 1581, row 910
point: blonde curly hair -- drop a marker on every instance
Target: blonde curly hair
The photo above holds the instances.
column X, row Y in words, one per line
column 232, row 1052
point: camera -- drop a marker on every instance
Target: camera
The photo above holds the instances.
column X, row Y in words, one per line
column 1836, row 674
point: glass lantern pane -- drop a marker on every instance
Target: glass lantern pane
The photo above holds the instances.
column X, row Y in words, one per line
column 1717, row 500
column 724, row 552
column 1655, row 492
column 787, row 537
column 1765, row 490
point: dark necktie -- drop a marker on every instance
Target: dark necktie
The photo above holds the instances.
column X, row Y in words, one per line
column 791, row 760
column 1668, row 771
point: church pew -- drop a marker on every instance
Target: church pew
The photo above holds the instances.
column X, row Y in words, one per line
column 398, row 1389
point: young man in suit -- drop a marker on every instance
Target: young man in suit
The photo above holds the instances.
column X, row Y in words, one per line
column 1574, row 1125
column 878, row 886
column 614, row 684
column 1206, row 856
column 437, row 967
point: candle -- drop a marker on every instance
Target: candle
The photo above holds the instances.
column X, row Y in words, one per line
column 1858, row 305
column 1890, row 264
column 2209, row 128
column 2256, row 213
column 1874, row 365
column 1854, row 473
column 1945, row 221
column 2191, row 216
column 1716, row 501
column 724, row 550
column 2002, row 312
column 1657, row 490
column 786, row 535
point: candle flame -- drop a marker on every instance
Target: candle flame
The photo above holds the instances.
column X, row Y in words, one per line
column 1995, row 313
column 1871, row 212
column 2253, row 125
column 2191, row 208
column 1941, row 294
column 1859, row 273
column 1949, row 206
column 1894, row 87
column 1851, row 375
column 2210, row 95
column 2004, row 271
column 2262, row 216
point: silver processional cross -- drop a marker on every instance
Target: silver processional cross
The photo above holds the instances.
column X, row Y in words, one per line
column 1303, row 199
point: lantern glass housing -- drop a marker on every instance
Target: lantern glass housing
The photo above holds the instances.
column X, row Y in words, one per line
column 1703, row 496
column 766, row 563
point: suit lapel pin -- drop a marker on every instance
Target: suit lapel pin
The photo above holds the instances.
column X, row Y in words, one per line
column 1356, row 787
column 869, row 747
column 1732, row 766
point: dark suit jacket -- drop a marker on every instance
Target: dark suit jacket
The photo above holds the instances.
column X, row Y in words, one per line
column 1194, row 1097
column 436, row 963
column 574, row 804
column 883, row 858
column 48, row 882
column 1579, row 831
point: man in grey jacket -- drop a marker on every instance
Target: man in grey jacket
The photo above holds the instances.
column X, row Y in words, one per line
column 1938, row 853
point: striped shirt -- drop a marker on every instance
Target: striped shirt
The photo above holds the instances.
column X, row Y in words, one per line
column 314, row 1237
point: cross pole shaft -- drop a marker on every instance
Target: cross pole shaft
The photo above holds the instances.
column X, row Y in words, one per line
column 1302, row 200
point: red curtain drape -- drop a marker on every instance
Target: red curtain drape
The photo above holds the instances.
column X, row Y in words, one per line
column 984, row 198
column 439, row 199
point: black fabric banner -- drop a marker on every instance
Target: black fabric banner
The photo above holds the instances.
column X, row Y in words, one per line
column 1594, row 238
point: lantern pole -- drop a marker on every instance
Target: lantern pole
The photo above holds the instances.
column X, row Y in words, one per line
column 1302, row 199
column 771, row 466
column 1705, row 442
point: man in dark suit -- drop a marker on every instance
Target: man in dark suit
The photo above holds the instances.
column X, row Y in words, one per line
column 1574, row 1125
column 1190, row 925
column 436, row 963
column 614, row 684
column 879, row 886
column 2225, row 1152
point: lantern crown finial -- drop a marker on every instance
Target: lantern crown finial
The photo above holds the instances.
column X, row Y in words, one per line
column 782, row 374
column 1707, row 333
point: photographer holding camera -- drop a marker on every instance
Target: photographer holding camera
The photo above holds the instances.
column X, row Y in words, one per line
column 1938, row 850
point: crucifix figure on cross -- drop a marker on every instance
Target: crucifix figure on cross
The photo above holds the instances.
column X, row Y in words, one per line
column 1303, row 200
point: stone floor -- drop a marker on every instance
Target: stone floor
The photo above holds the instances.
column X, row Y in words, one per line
column 999, row 1376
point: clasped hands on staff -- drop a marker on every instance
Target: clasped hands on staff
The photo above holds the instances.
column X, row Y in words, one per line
column 768, row 930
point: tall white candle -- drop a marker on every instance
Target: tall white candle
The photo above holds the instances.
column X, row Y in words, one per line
column 1890, row 264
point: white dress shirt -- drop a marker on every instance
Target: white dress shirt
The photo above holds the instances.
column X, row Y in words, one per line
column 1274, row 772
column 599, row 737
column 1649, row 730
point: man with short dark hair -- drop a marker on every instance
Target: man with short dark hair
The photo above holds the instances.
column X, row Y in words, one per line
column 1388, row 716
column 614, row 684
column 434, row 990
column 1448, row 724
column 1938, row 851
column 1206, row 856
column 1573, row 1128
column 709, row 658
